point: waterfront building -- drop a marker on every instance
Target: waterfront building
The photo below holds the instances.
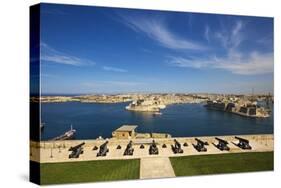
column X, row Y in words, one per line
column 125, row 132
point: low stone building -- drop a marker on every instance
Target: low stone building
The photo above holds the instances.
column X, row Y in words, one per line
column 125, row 132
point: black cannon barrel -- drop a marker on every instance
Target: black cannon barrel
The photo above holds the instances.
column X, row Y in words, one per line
column 76, row 153
column 153, row 143
column 177, row 147
column 103, row 145
column 221, row 140
column 129, row 149
column 242, row 139
column 201, row 142
column 130, row 144
column 200, row 146
column 76, row 147
column 153, row 150
column 103, row 149
column 177, row 144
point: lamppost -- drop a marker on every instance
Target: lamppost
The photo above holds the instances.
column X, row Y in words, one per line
column 51, row 156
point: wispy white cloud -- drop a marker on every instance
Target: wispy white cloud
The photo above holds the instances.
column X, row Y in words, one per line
column 206, row 33
column 255, row 64
column 157, row 30
column 50, row 54
column 235, row 61
column 231, row 40
column 113, row 69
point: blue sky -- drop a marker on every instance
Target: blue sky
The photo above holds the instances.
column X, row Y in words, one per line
column 108, row 50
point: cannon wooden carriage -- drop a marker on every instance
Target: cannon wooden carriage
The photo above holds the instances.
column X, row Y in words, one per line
column 200, row 146
column 129, row 149
column 76, row 147
column 76, row 151
column 103, row 149
column 243, row 143
column 222, row 144
column 177, row 147
column 153, row 150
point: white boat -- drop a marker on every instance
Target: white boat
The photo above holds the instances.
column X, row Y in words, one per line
column 67, row 135
column 157, row 113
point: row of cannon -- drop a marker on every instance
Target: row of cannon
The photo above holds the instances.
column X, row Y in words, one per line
column 221, row 145
column 153, row 149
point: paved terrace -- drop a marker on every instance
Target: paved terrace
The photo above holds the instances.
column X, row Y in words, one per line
column 57, row 151
column 156, row 167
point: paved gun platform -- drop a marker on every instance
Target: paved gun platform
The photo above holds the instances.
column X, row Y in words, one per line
column 156, row 167
column 57, row 151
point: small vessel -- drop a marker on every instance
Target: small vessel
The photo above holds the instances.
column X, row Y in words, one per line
column 67, row 135
column 157, row 113
column 42, row 125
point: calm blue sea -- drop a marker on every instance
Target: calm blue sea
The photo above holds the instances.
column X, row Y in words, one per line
column 93, row 120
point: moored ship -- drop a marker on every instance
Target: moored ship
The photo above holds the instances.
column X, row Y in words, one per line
column 42, row 125
column 67, row 135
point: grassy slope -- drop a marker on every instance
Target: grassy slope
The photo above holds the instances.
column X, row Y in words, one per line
column 223, row 163
column 87, row 171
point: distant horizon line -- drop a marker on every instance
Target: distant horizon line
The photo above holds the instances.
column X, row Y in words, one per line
column 120, row 93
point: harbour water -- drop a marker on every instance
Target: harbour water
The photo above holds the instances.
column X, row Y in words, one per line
column 180, row 120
